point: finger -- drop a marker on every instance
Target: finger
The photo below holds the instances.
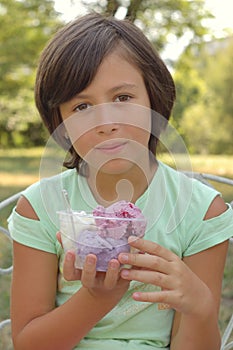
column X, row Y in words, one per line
column 69, row 271
column 58, row 235
column 146, row 261
column 89, row 271
column 152, row 248
column 163, row 298
column 112, row 274
column 148, row 277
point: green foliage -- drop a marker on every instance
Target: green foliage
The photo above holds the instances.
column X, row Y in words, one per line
column 20, row 123
column 203, row 113
column 219, row 78
column 25, row 27
column 159, row 19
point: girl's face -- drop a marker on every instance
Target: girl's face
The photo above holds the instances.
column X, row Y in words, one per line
column 109, row 121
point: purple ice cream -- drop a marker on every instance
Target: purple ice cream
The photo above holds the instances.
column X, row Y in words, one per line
column 114, row 226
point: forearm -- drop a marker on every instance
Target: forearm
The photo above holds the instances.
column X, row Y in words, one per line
column 64, row 327
column 200, row 333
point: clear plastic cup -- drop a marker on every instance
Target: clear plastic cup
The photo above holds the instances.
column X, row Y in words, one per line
column 106, row 237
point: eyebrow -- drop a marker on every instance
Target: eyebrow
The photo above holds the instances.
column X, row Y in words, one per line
column 112, row 90
column 123, row 86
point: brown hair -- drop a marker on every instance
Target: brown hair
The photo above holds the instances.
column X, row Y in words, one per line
column 71, row 59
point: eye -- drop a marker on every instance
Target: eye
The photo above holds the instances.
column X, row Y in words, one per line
column 82, row 107
column 122, row 98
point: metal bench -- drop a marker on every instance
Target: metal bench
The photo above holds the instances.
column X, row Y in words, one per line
column 206, row 178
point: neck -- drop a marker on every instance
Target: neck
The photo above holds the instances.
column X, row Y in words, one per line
column 109, row 188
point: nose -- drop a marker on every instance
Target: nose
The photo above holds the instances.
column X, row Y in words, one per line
column 106, row 120
column 107, row 128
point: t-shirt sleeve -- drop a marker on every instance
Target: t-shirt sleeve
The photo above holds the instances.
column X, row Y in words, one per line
column 210, row 232
column 31, row 233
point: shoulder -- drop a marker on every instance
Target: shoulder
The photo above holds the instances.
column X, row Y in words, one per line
column 45, row 196
column 199, row 200
column 185, row 186
column 216, row 208
column 25, row 209
column 52, row 183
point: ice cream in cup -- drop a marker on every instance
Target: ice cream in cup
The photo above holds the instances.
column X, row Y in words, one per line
column 104, row 232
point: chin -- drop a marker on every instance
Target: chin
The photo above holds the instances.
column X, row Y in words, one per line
column 117, row 167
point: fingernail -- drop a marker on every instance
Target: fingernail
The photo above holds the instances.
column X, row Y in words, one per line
column 90, row 260
column 69, row 256
column 136, row 295
column 124, row 258
column 125, row 273
column 114, row 265
column 132, row 238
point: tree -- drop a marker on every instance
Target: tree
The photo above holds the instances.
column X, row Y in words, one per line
column 25, row 27
column 204, row 109
column 218, row 74
column 159, row 19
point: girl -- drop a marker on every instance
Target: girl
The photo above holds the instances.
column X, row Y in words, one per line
column 96, row 81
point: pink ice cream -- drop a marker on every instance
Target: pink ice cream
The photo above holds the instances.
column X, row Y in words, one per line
column 123, row 219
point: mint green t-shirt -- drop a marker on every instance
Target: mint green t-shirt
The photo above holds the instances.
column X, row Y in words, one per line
column 174, row 206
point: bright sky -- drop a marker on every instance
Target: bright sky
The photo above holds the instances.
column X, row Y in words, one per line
column 221, row 9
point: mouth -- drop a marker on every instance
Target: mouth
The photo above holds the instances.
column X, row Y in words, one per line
column 111, row 147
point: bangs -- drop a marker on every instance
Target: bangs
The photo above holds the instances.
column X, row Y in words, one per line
column 77, row 64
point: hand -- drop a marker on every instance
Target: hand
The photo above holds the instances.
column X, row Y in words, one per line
column 181, row 288
column 97, row 282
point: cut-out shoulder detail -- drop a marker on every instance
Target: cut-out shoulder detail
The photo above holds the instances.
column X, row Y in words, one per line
column 216, row 208
column 25, row 209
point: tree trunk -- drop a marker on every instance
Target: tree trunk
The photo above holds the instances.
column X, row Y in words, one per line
column 133, row 9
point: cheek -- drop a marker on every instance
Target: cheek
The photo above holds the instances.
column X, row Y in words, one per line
column 83, row 144
column 141, row 136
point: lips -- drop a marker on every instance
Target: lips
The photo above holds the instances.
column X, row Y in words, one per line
column 111, row 147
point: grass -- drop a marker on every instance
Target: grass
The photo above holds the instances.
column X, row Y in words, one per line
column 20, row 168
column 210, row 164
